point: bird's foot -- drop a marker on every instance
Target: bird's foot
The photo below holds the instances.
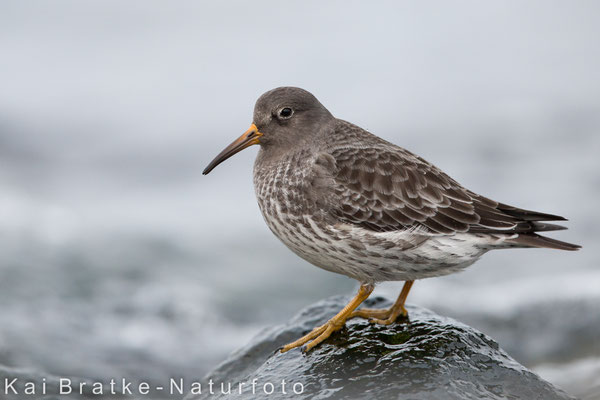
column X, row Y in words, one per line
column 381, row 316
column 316, row 336
column 370, row 313
column 324, row 331
column 386, row 316
column 392, row 314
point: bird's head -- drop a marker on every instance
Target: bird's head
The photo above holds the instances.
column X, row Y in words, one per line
column 284, row 116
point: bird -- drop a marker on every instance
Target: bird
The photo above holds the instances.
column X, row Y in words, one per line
column 352, row 203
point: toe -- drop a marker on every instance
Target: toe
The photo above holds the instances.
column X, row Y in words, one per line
column 370, row 313
column 379, row 321
column 313, row 334
column 330, row 329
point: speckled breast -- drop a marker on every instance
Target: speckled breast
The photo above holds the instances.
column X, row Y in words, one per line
column 283, row 188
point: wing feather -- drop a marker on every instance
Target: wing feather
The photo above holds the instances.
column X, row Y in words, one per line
column 387, row 188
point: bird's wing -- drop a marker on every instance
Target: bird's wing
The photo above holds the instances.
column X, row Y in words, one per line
column 384, row 188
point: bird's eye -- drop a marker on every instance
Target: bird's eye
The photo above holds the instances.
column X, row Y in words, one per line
column 285, row 113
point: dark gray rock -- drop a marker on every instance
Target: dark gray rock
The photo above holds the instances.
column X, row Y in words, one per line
column 424, row 357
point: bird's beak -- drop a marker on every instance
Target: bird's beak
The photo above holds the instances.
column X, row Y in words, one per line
column 250, row 137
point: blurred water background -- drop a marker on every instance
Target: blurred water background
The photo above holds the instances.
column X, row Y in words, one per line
column 118, row 258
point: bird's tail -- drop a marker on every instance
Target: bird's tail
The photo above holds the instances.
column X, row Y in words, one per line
column 535, row 240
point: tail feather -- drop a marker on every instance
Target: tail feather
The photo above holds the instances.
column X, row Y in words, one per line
column 534, row 240
column 544, row 227
column 528, row 215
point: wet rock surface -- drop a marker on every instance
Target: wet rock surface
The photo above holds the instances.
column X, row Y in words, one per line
column 426, row 356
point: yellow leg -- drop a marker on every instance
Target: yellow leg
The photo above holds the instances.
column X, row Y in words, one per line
column 324, row 331
column 386, row 316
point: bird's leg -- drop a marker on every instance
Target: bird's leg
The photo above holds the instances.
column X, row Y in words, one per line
column 324, row 331
column 386, row 316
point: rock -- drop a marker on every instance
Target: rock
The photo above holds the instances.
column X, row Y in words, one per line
column 424, row 357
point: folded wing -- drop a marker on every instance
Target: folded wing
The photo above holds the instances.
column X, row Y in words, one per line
column 384, row 190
